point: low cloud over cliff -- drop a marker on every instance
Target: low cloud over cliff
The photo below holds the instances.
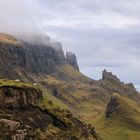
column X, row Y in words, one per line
column 103, row 33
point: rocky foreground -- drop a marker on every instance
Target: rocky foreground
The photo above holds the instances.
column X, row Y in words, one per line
column 23, row 116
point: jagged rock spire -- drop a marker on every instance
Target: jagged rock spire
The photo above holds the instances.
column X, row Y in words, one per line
column 72, row 60
column 109, row 76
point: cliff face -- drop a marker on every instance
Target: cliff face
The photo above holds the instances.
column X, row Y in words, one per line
column 18, row 97
column 72, row 60
column 60, row 57
column 10, row 58
column 34, row 56
column 42, row 59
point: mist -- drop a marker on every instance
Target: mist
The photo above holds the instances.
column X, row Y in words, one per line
column 23, row 20
column 20, row 16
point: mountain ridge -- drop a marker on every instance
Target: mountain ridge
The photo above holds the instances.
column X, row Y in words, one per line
column 34, row 58
column 63, row 86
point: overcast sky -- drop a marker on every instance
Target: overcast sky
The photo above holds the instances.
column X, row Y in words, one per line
column 104, row 34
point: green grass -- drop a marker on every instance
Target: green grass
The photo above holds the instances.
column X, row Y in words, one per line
column 124, row 125
column 114, row 129
column 5, row 82
column 89, row 101
column 72, row 74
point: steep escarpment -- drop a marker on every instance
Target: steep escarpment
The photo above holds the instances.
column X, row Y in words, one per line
column 60, row 57
column 35, row 55
column 33, row 58
column 72, row 60
column 18, row 97
column 42, row 59
column 11, row 57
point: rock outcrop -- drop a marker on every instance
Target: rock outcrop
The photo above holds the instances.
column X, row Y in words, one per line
column 72, row 60
column 109, row 76
column 18, row 97
column 112, row 106
column 111, row 84
column 59, row 52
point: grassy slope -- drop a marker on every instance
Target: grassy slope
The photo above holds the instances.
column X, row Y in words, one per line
column 8, row 39
column 91, row 111
column 87, row 99
column 123, row 125
column 75, row 129
column 71, row 74
column 5, row 82
column 76, row 91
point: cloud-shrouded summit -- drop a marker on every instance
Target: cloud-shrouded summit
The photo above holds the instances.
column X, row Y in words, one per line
column 103, row 33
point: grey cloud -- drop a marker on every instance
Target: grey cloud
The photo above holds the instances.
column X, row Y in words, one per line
column 103, row 33
column 20, row 16
column 125, row 7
